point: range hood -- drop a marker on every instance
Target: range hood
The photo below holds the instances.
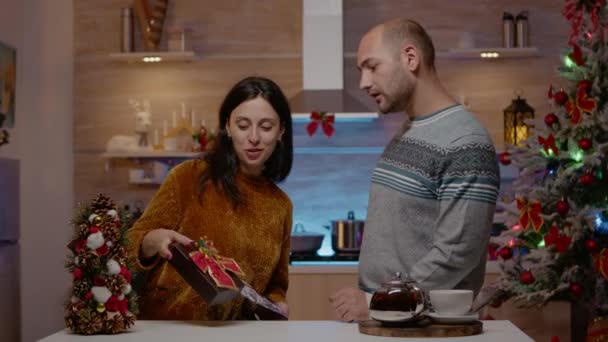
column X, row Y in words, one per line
column 323, row 65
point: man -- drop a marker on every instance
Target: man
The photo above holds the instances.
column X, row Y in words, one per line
column 434, row 190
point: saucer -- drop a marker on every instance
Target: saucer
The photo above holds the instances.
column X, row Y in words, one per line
column 454, row 319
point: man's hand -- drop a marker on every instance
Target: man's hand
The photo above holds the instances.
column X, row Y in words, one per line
column 157, row 241
column 350, row 305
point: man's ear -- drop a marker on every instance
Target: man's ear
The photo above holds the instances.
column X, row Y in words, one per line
column 411, row 58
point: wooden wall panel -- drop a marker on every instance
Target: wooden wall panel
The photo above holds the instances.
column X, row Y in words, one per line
column 232, row 39
column 487, row 85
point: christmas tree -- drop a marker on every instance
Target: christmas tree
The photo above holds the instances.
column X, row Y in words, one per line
column 101, row 298
column 556, row 246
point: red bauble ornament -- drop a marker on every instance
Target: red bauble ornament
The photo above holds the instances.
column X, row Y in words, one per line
column 506, row 253
column 585, row 144
column 503, row 158
column 526, row 277
column 551, row 119
column 562, row 207
column 592, row 246
column 77, row 273
column 576, row 289
column 587, row 179
column 561, row 97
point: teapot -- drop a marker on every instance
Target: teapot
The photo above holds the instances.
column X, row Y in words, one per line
column 398, row 300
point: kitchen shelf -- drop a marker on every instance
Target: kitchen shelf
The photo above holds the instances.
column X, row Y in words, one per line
column 490, row 53
column 150, row 154
column 154, row 57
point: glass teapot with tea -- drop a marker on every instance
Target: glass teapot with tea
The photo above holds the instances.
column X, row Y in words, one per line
column 398, row 300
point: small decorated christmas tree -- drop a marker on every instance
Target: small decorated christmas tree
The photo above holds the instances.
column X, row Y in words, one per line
column 101, row 300
column 557, row 244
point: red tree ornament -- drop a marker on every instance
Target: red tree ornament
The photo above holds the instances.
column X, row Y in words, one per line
column 526, row 277
column 592, row 246
column 587, row 179
column 585, row 144
column 506, row 253
column 562, row 207
column 560, row 97
column 576, row 289
column 503, row 158
column 551, row 119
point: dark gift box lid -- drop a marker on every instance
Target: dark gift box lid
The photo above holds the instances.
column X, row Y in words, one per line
column 212, row 294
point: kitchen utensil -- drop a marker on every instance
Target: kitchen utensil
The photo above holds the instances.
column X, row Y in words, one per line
column 303, row 241
column 347, row 235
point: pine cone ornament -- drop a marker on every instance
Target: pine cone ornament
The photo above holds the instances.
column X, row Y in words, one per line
column 89, row 260
column 81, row 288
column 70, row 321
column 83, row 230
column 89, row 323
column 111, row 232
column 116, row 285
column 102, row 204
column 114, row 324
column 118, row 253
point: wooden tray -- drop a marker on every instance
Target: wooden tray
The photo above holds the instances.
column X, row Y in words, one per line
column 421, row 329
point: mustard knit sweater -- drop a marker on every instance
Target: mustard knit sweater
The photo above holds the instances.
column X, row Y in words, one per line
column 256, row 235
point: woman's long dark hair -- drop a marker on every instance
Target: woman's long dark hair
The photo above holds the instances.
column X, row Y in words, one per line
column 222, row 161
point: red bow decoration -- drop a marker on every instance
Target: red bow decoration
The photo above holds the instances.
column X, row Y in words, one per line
column 326, row 120
column 561, row 241
column 530, row 214
column 208, row 261
column 574, row 10
column 549, row 144
column 600, row 262
column 582, row 104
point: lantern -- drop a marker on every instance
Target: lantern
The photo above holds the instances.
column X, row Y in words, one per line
column 515, row 115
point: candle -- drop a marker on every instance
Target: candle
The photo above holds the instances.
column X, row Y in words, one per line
column 156, row 140
column 165, row 131
column 183, row 110
column 174, row 119
column 193, row 119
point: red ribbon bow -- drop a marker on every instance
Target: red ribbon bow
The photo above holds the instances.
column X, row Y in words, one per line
column 582, row 104
column 216, row 266
column 561, row 241
column 530, row 214
column 326, row 120
column 549, row 144
column 574, row 10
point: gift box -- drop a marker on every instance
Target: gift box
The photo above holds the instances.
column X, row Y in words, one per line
column 217, row 279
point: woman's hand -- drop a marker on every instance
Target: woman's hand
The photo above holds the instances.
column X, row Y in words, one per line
column 157, row 241
column 284, row 308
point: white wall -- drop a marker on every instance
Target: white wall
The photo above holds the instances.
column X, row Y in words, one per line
column 42, row 140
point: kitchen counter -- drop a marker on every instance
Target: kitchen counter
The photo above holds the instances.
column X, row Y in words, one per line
column 270, row 331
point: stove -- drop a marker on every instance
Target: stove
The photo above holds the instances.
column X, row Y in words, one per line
column 316, row 257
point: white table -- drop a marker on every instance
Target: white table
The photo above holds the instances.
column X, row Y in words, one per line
column 270, row 331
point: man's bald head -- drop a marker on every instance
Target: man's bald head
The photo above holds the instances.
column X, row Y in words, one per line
column 398, row 32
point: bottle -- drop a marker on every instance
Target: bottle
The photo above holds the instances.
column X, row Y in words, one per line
column 126, row 37
column 521, row 23
column 508, row 30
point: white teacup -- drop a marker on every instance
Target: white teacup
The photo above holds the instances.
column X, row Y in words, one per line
column 451, row 302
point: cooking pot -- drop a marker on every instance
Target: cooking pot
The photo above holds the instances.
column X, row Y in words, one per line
column 347, row 235
column 303, row 241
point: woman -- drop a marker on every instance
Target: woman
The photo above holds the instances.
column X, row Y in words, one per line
column 230, row 197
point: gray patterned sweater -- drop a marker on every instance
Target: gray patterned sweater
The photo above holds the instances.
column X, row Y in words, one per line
column 431, row 204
